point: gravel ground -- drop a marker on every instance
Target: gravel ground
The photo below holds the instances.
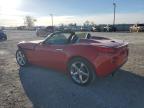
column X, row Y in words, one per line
column 44, row 88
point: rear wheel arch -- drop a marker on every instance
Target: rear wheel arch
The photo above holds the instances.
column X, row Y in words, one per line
column 80, row 57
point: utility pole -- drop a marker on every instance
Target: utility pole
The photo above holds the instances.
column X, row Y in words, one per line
column 114, row 4
column 51, row 19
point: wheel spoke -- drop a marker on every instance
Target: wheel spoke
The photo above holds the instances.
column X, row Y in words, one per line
column 75, row 67
column 74, row 73
column 20, row 60
column 84, row 73
column 19, row 53
column 81, row 66
column 81, row 78
column 23, row 61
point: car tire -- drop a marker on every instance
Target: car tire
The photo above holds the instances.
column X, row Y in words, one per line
column 21, row 58
column 81, row 71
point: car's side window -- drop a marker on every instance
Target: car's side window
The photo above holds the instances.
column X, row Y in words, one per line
column 58, row 39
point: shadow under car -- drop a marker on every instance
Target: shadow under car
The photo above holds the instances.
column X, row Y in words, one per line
column 49, row 89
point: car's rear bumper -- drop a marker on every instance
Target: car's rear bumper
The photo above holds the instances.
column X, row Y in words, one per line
column 107, row 64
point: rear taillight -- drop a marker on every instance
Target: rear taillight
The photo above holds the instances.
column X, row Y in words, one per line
column 106, row 50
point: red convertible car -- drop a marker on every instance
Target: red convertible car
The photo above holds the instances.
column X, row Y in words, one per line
column 82, row 58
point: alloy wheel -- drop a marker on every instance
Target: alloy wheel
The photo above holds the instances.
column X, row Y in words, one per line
column 79, row 72
column 20, row 58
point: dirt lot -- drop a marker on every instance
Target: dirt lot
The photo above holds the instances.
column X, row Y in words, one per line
column 44, row 88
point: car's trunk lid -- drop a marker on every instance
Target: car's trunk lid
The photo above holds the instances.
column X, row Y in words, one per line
column 104, row 42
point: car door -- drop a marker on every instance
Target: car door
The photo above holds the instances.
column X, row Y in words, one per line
column 52, row 53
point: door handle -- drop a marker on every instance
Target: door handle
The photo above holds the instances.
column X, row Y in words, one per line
column 59, row 49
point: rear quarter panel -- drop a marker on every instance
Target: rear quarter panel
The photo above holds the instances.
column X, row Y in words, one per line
column 86, row 51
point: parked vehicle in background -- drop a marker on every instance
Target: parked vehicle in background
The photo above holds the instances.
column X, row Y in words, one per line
column 137, row 28
column 85, row 28
column 3, row 35
column 43, row 32
column 21, row 27
column 96, row 29
column 93, row 29
column 109, row 28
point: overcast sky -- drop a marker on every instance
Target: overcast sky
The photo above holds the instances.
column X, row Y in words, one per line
column 12, row 12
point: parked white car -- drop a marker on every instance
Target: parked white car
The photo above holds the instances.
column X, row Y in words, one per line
column 43, row 32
